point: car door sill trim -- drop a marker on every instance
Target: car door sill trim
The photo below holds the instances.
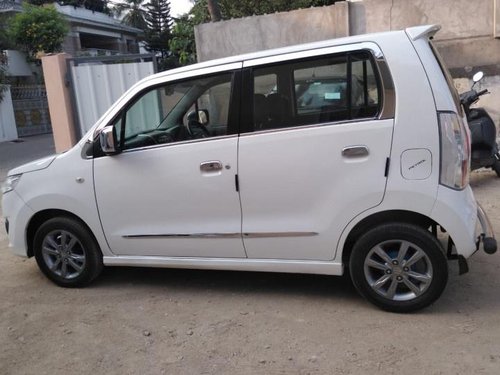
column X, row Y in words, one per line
column 230, row 264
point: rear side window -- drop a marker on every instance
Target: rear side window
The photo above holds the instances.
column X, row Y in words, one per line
column 315, row 91
column 447, row 76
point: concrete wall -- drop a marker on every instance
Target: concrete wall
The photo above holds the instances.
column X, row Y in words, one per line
column 459, row 18
column 71, row 44
column 17, row 64
column 466, row 39
column 237, row 36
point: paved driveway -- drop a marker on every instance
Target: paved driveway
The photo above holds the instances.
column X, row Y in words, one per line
column 13, row 154
column 160, row 321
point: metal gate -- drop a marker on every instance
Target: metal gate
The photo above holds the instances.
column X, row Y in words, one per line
column 97, row 82
column 31, row 110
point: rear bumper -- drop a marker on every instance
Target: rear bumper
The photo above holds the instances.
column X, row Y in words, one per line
column 486, row 238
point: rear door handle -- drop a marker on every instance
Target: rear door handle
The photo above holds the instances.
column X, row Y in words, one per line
column 211, row 166
column 355, row 151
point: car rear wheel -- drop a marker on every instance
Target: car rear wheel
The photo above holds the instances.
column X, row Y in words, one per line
column 67, row 253
column 399, row 267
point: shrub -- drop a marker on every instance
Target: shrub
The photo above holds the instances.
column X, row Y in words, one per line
column 38, row 29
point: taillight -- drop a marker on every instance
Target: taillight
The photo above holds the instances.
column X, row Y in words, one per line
column 455, row 151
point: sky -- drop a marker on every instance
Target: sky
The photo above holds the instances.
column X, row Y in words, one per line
column 178, row 7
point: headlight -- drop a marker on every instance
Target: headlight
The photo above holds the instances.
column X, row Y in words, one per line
column 10, row 183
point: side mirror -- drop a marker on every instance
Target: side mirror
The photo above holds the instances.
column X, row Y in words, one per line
column 203, row 116
column 108, row 140
column 478, row 76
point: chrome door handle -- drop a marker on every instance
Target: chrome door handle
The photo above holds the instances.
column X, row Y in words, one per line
column 211, row 166
column 355, row 151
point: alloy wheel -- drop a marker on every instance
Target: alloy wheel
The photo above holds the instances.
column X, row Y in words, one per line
column 63, row 254
column 398, row 270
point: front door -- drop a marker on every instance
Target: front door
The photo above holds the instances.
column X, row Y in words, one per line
column 171, row 191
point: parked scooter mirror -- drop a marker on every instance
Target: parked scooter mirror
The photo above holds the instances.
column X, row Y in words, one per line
column 478, row 76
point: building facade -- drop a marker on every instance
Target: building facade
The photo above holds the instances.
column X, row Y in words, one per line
column 91, row 33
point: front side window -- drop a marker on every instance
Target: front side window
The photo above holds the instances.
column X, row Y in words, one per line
column 314, row 91
column 177, row 111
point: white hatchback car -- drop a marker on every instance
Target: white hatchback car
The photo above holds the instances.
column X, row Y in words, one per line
column 309, row 159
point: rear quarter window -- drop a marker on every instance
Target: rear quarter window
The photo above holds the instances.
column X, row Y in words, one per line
column 447, row 76
column 314, row 91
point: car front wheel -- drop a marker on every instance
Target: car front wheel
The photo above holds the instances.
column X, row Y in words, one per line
column 67, row 253
column 399, row 267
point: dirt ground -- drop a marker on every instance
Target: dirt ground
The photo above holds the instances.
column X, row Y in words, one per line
column 161, row 321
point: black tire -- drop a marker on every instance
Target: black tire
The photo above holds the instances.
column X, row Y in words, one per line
column 422, row 266
column 496, row 167
column 67, row 253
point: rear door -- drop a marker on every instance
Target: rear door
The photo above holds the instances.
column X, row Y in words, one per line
column 314, row 152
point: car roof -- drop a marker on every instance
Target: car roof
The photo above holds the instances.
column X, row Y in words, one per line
column 413, row 32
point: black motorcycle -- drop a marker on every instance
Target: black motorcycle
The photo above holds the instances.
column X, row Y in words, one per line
column 484, row 147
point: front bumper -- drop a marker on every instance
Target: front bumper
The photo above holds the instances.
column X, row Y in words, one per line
column 486, row 237
column 17, row 215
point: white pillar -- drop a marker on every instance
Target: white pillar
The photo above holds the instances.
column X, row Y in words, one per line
column 8, row 130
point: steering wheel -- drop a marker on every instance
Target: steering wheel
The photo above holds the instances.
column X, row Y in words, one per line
column 147, row 139
column 198, row 130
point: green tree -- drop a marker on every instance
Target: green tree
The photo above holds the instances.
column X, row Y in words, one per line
column 244, row 8
column 93, row 5
column 159, row 23
column 100, row 6
column 214, row 10
column 135, row 14
column 5, row 39
column 38, row 29
column 182, row 42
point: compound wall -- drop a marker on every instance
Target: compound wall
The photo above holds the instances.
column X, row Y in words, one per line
column 250, row 34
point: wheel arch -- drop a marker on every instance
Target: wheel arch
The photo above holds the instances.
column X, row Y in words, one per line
column 41, row 217
column 378, row 218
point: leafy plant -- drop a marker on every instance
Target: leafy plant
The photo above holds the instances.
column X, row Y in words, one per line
column 182, row 42
column 38, row 29
column 159, row 23
column 135, row 14
column 94, row 5
column 5, row 40
column 245, row 8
